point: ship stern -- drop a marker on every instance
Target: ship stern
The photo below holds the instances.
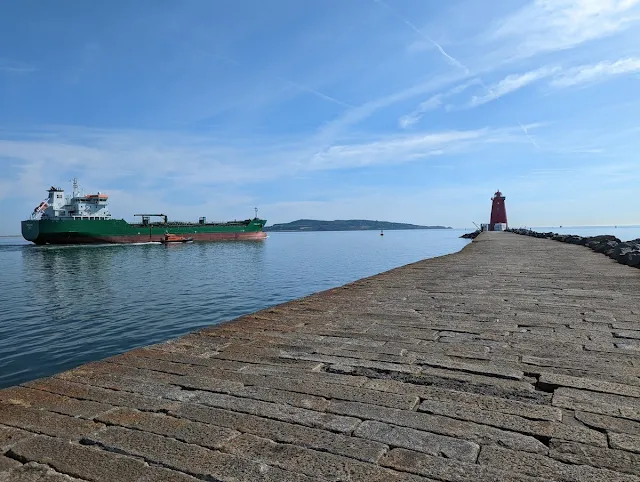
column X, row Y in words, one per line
column 31, row 230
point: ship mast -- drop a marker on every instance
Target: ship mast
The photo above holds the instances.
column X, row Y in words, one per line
column 76, row 189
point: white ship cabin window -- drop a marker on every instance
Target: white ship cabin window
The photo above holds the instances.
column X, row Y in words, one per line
column 59, row 196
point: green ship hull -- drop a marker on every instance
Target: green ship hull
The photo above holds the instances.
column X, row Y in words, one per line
column 97, row 231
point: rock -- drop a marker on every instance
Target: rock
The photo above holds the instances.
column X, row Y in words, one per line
column 604, row 237
column 621, row 250
column 472, row 235
column 575, row 239
column 605, row 246
column 632, row 259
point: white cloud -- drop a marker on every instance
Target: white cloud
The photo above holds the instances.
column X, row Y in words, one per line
column 104, row 158
column 415, row 116
column 407, row 148
column 551, row 25
column 511, row 83
column 354, row 116
column 433, row 103
column 596, row 72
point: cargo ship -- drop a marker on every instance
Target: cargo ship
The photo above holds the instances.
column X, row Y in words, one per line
column 85, row 219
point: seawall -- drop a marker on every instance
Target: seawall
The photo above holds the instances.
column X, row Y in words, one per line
column 516, row 359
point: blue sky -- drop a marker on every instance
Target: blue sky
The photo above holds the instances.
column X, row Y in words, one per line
column 400, row 110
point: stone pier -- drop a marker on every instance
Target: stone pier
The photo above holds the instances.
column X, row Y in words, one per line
column 516, row 359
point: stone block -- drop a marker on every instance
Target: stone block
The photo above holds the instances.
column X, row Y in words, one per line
column 603, row 403
column 10, row 435
column 206, row 435
column 419, row 440
column 547, row 429
column 532, row 411
column 479, row 368
column 547, row 468
column 191, row 459
column 478, row 433
column 42, row 421
column 28, row 397
column 623, row 441
column 610, row 424
column 33, row 472
column 580, row 454
column 448, row 470
column 83, row 462
column 83, row 391
column 554, row 380
column 320, row 465
column 323, row 440
column 5, row 464
column 286, row 413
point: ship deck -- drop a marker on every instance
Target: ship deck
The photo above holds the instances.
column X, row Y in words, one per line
column 516, row 359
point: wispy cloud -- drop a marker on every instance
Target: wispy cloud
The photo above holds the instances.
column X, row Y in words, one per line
column 551, row 25
column 511, row 83
column 407, row 148
column 13, row 67
column 433, row 103
column 414, row 117
column 333, row 129
column 175, row 160
column 596, row 72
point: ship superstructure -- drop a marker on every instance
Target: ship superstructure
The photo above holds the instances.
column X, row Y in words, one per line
column 77, row 206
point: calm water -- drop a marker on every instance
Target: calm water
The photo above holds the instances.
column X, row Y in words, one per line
column 63, row 306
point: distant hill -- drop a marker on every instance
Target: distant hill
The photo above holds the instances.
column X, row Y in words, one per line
column 344, row 225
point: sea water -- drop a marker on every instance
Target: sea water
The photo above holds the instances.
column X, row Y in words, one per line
column 61, row 306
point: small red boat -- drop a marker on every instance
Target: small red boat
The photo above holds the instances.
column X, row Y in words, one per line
column 174, row 238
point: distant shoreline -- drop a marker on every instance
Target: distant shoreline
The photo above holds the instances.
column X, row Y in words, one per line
column 302, row 225
column 351, row 230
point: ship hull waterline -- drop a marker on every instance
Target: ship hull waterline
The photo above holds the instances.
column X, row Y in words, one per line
column 120, row 232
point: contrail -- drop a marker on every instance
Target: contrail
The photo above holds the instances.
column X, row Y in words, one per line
column 298, row 86
column 317, row 93
column 526, row 133
column 452, row 60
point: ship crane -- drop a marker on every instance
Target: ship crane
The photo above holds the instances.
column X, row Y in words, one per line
column 147, row 217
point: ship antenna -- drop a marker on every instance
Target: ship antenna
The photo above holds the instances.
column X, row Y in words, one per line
column 256, row 210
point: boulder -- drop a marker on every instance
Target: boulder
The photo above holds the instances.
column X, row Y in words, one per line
column 574, row 239
column 604, row 237
column 605, row 247
column 632, row 258
column 620, row 251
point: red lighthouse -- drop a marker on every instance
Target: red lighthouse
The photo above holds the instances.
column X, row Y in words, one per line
column 498, row 213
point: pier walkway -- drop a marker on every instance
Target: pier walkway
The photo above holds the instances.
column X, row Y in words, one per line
column 517, row 359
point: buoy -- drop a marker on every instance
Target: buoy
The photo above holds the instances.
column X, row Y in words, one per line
column 381, row 233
